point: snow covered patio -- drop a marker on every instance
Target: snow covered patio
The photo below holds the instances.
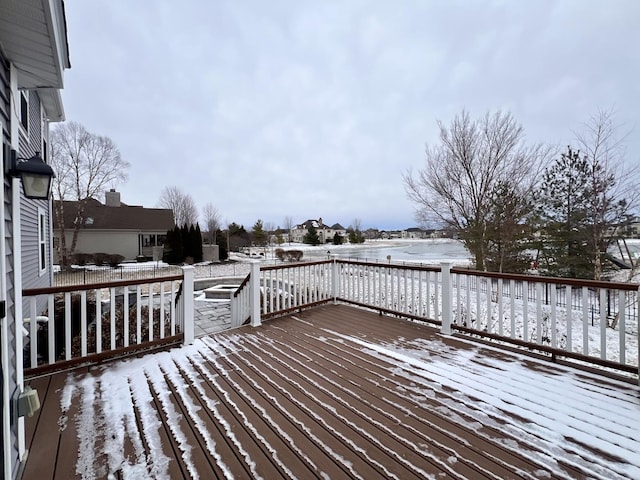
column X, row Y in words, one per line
column 334, row 392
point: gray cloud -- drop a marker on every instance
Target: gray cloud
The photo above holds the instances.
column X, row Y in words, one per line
column 308, row 109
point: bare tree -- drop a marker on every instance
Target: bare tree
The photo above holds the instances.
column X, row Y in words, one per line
column 464, row 170
column 86, row 165
column 288, row 225
column 211, row 219
column 614, row 187
column 182, row 204
column 269, row 229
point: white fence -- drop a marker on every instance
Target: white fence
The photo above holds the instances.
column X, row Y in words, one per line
column 584, row 320
column 75, row 324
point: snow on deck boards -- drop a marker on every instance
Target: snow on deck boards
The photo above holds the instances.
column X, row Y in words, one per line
column 334, row 392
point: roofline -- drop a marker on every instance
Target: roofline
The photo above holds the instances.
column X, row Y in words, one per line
column 57, row 24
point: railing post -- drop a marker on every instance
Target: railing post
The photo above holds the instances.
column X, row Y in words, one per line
column 334, row 278
column 445, row 269
column 188, row 272
column 255, row 295
column 638, row 330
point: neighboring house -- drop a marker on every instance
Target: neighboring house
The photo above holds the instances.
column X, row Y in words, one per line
column 414, row 232
column 33, row 57
column 114, row 227
column 325, row 232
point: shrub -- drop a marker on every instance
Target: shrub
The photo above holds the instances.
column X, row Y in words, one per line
column 82, row 258
column 100, row 259
column 294, row 255
column 279, row 253
column 115, row 259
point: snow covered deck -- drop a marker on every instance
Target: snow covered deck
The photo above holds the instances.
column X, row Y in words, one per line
column 334, row 392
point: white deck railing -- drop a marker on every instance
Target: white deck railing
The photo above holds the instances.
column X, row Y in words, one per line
column 582, row 320
column 75, row 324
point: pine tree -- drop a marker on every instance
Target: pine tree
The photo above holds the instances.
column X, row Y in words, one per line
column 508, row 232
column 337, row 239
column 173, row 248
column 563, row 210
column 197, row 244
column 221, row 240
column 259, row 235
column 311, row 237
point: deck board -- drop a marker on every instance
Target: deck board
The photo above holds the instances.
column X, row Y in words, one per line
column 334, row 392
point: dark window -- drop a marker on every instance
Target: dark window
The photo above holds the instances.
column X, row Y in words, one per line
column 24, row 110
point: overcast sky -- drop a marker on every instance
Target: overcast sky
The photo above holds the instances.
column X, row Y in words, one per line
column 315, row 108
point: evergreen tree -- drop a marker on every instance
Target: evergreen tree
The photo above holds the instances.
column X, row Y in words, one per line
column 355, row 236
column 508, row 232
column 186, row 244
column 279, row 237
column 311, row 237
column 173, row 250
column 259, row 235
column 197, row 244
column 563, row 211
column 337, row 239
column 221, row 240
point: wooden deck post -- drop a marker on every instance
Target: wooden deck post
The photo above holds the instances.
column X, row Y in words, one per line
column 445, row 269
column 334, row 278
column 188, row 273
column 255, row 295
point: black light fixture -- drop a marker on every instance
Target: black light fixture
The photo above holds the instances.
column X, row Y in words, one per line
column 35, row 174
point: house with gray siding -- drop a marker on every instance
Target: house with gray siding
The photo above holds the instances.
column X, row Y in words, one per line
column 33, row 57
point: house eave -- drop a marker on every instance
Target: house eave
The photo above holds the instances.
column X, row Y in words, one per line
column 33, row 36
column 51, row 99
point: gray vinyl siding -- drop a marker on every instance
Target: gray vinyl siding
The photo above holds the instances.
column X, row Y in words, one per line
column 31, row 276
column 10, row 291
column 5, row 92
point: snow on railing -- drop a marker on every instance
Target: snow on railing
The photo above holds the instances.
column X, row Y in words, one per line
column 275, row 290
column 82, row 323
column 412, row 291
column 289, row 287
column 241, row 303
column 580, row 319
column 598, row 320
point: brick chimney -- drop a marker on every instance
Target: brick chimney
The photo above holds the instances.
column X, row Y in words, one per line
column 112, row 198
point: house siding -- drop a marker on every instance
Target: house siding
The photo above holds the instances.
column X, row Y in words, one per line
column 104, row 241
column 5, row 92
column 5, row 119
column 31, row 277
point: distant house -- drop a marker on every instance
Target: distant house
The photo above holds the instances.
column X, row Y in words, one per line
column 115, row 227
column 33, row 57
column 325, row 232
column 415, row 232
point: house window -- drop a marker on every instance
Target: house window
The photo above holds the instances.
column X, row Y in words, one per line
column 42, row 241
column 24, row 109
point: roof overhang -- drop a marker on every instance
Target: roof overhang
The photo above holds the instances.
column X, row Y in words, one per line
column 52, row 102
column 33, row 36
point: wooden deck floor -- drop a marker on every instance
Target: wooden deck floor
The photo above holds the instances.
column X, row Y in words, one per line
column 334, row 392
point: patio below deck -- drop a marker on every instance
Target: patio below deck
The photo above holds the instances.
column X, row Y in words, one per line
column 334, row 392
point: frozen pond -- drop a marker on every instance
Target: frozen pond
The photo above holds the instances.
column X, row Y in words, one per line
column 416, row 251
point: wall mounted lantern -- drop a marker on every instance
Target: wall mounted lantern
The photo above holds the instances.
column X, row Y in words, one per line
column 35, row 174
